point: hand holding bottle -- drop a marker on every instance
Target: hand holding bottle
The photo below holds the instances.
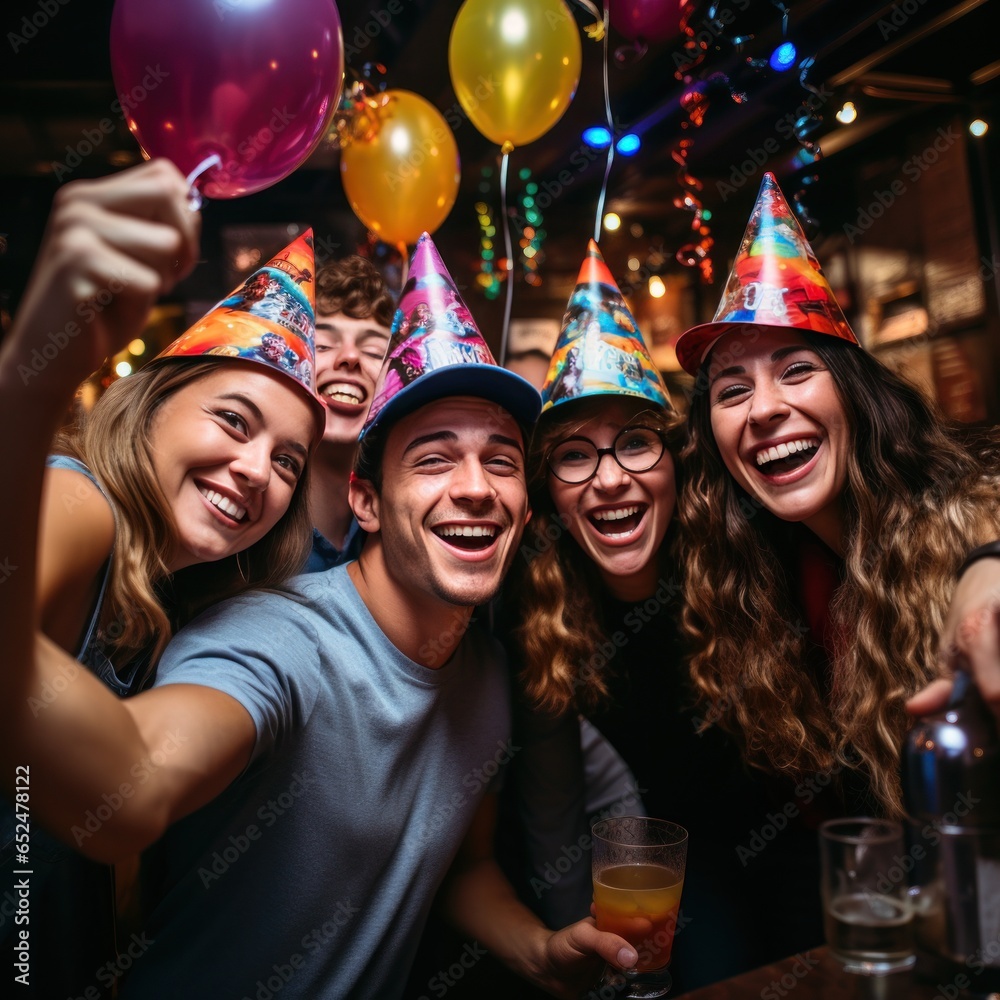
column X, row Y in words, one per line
column 971, row 631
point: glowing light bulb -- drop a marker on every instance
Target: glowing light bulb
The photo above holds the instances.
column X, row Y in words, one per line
column 847, row 113
column 612, row 221
column 628, row 145
column 597, row 137
column 656, row 287
column 783, row 57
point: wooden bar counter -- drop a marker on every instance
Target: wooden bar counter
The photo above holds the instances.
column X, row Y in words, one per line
column 816, row 975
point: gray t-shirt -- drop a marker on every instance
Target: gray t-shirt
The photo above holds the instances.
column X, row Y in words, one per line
column 312, row 875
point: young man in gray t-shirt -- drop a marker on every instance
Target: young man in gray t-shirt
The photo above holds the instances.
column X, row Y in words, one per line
column 312, row 759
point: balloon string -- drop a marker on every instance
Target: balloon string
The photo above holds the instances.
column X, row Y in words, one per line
column 194, row 195
column 611, row 132
column 404, row 266
column 510, row 257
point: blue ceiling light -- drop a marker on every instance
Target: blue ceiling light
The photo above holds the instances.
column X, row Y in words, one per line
column 783, row 57
column 597, row 137
column 628, row 145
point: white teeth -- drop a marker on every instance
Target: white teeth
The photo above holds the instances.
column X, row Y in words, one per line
column 467, row 530
column 224, row 504
column 343, row 392
column 785, row 449
column 615, row 515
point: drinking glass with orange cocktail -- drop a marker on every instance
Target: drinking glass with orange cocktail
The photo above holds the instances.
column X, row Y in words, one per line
column 638, row 877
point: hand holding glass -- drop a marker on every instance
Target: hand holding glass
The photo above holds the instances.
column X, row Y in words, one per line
column 638, row 877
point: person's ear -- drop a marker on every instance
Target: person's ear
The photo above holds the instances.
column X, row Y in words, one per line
column 364, row 501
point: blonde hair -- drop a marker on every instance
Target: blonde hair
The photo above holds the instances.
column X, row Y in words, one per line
column 113, row 441
column 556, row 583
column 916, row 501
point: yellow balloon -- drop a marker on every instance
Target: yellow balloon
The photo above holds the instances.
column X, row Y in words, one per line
column 402, row 177
column 515, row 66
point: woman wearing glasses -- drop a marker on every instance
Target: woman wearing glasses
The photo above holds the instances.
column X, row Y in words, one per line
column 597, row 598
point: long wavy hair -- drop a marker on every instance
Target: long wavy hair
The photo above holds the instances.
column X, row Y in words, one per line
column 556, row 585
column 917, row 498
column 144, row 603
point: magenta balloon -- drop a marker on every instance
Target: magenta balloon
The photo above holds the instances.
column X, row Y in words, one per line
column 254, row 81
column 648, row 20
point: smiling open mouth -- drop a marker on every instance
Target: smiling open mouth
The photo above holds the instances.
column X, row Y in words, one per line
column 618, row 522
column 470, row 537
column 224, row 504
column 343, row 392
column 786, row 457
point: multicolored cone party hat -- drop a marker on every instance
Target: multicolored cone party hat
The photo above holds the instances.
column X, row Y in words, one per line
column 600, row 349
column 436, row 350
column 776, row 281
column 270, row 319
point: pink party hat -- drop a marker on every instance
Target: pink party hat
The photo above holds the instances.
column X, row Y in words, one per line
column 436, row 350
column 600, row 349
column 270, row 320
column 776, row 281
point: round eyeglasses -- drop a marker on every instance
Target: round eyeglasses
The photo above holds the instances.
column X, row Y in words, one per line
column 575, row 460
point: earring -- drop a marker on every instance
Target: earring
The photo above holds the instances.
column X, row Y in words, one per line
column 239, row 566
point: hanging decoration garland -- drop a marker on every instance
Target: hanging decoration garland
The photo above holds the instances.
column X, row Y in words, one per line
column 528, row 219
column 354, row 117
column 695, row 102
column 700, row 29
column 532, row 235
column 489, row 278
column 805, row 121
column 808, row 122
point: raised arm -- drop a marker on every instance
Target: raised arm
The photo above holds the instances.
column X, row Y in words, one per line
column 110, row 248
column 106, row 775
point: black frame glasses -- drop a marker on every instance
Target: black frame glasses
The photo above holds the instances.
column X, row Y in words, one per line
column 599, row 453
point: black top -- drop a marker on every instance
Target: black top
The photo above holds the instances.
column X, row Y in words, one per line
column 751, row 890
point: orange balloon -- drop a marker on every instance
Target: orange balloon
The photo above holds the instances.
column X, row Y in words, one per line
column 401, row 177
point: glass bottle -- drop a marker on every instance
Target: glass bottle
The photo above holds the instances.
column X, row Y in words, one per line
column 951, row 789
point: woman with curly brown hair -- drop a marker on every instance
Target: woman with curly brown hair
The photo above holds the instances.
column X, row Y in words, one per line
column 828, row 512
column 596, row 602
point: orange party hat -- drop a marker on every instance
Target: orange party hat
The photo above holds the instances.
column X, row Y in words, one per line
column 270, row 319
column 776, row 281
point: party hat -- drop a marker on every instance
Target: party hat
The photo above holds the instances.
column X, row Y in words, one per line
column 270, row 319
column 600, row 350
column 436, row 350
column 776, row 281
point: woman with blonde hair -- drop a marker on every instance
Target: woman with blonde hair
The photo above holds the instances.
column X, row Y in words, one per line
column 828, row 510
column 185, row 484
